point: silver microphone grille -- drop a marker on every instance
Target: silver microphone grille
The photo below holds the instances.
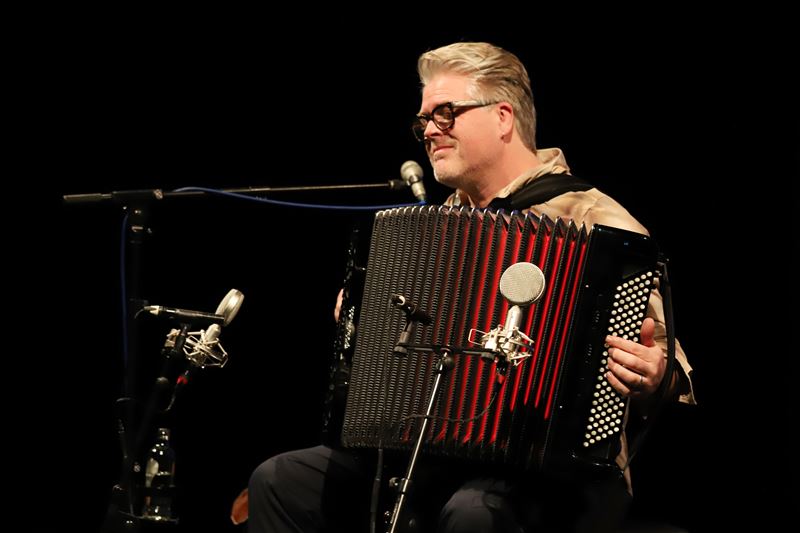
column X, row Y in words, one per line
column 522, row 284
column 411, row 172
column 230, row 305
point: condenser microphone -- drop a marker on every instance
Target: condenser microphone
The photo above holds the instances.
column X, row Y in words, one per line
column 206, row 350
column 202, row 348
column 521, row 284
column 184, row 315
column 411, row 173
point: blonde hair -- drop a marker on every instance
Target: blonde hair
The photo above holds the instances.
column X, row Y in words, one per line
column 495, row 75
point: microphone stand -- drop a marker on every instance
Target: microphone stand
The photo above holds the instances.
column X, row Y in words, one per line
column 403, row 485
column 121, row 514
column 129, row 519
column 159, row 194
column 445, row 363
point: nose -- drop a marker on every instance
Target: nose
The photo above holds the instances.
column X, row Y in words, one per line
column 430, row 130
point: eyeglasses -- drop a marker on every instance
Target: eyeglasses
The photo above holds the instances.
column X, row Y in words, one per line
column 443, row 116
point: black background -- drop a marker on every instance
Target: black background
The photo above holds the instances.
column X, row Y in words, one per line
column 655, row 119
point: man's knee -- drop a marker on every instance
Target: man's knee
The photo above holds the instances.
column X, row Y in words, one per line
column 264, row 476
column 270, row 475
column 467, row 511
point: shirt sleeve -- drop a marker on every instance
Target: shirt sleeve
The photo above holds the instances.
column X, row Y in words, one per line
column 655, row 310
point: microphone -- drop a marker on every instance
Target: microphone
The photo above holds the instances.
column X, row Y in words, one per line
column 521, row 284
column 184, row 315
column 411, row 173
column 225, row 312
column 413, row 311
column 207, row 350
column 201, row 348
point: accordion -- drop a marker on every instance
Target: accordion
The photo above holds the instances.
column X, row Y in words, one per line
column 554, row 403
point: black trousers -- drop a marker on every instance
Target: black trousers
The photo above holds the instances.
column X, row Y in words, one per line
column 325, row 489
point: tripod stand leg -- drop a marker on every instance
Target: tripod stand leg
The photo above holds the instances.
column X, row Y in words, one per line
column 404, row 484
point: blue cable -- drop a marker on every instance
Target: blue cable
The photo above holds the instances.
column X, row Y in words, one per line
column 293, row 204
column 123, row 242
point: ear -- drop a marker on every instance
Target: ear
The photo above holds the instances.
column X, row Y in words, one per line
column 505, row 115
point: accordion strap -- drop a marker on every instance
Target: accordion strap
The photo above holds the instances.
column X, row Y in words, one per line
column 540, row 190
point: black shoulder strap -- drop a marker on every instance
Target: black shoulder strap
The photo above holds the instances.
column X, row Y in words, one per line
column 540, row 190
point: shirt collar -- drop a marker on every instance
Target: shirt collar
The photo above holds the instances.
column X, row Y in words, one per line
column 553, row 162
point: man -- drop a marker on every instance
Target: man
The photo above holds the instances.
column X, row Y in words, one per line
column 477, row 122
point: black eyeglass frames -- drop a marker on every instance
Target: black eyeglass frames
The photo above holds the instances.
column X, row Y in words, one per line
column 443, row 116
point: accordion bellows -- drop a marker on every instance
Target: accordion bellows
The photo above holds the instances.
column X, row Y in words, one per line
column 556, row 403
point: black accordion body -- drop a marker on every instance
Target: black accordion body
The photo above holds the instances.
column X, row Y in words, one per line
column 555, row 405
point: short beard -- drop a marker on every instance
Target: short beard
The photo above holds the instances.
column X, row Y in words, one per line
column 447, row 179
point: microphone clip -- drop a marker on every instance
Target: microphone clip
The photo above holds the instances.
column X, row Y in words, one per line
column 414, row 314
column 502, row 345
column 201, row 348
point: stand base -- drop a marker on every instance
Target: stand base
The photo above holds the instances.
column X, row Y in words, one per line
column 119, row 521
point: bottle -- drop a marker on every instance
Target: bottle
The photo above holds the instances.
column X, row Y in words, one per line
column 159, row 479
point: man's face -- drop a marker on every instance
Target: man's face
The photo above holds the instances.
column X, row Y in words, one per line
column 461, row 155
